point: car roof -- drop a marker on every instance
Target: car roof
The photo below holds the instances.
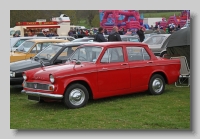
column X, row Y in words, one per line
column 115, row 43
column 29, row 37
column 160, row 35
column 69, row 44
column 128, row 36
column 47, row 40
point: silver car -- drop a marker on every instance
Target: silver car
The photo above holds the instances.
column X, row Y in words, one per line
column 155, row 43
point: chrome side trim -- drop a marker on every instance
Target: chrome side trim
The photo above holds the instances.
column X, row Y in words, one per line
column 55, row 96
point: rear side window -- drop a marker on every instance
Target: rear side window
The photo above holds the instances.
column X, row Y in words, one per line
column 137, row 54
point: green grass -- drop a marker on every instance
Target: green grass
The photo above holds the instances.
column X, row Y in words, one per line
column 161, row 14
column 171, row 110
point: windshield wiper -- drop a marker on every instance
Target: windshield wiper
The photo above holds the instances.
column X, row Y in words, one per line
column 39, row 60
column 36, row 58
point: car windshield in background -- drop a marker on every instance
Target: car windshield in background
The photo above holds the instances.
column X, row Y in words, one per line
column 49, row 52
column 25, row 46
column 155, row 40
column 18, row 43
column 87, row 53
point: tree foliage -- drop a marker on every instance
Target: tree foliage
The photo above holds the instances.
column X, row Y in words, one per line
column 76, row 16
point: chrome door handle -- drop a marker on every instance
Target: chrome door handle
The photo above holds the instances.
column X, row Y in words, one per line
column 150, row 62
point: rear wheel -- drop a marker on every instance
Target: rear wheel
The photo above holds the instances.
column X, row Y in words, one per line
column 76, row 96
column 156, row 84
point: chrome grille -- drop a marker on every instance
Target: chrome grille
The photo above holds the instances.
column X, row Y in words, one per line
column 37, row 86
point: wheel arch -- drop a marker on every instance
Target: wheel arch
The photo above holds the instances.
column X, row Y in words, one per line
column 84, row 83
column 162, row 74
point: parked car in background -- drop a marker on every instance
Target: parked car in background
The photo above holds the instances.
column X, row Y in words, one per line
column 52, row 55
column 69, row 38
column 12, row 31
column 155, row 43
column 127, row 38
column 84, row 39
column 16, row 41
column 100, row 70
column 30, row 48
column 148, row 35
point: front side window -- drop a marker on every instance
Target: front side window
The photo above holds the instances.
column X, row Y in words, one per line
column 25, row 46
column 137, row 54
column 18, row 43
column 112, row 55
column 87, row 53
column 67, row 52
column 49, row 52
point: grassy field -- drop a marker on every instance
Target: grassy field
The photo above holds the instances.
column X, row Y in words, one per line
column 171, row 110
column 161, row 14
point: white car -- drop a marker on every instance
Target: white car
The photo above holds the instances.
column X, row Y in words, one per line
column 155, row 43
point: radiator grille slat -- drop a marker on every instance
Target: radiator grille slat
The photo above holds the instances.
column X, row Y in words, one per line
column 37, row 86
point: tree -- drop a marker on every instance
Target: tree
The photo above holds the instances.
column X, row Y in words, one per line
column 95, row 21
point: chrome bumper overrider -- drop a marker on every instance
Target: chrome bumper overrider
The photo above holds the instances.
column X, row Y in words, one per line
column 55, row 96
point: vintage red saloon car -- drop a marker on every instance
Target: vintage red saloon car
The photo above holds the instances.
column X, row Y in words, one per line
column 101, row 70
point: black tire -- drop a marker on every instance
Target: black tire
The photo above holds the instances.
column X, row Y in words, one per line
column 163, row 53
column 76, row 96
column 41, row 101
column 156, row 85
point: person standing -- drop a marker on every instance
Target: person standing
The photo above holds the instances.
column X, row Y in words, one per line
column 140, row 33
column 114, row 35
column 99, row 37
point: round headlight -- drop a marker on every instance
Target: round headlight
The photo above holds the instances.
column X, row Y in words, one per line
column 24, row 76
column 51, row 78
column 12, row 74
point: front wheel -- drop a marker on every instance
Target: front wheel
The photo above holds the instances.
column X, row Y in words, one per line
column 156, row 85
column 76, row 96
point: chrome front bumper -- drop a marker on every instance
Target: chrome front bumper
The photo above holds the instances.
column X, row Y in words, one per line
column 30, row 93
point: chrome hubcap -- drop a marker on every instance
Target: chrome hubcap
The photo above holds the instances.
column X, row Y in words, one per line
column 76, row 96
column 157, row 85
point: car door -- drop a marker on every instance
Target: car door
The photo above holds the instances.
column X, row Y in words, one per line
column 141, row 67
column 113, row 71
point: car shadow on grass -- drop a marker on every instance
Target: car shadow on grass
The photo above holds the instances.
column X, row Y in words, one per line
column 116, row 98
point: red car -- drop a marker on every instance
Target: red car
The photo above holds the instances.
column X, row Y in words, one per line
column 100, row 70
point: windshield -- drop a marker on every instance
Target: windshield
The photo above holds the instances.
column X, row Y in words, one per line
column 12, row 32
column 25, row 46
column 155, row 40
column 18, row 43
column 87, row 53
column 49, row 52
